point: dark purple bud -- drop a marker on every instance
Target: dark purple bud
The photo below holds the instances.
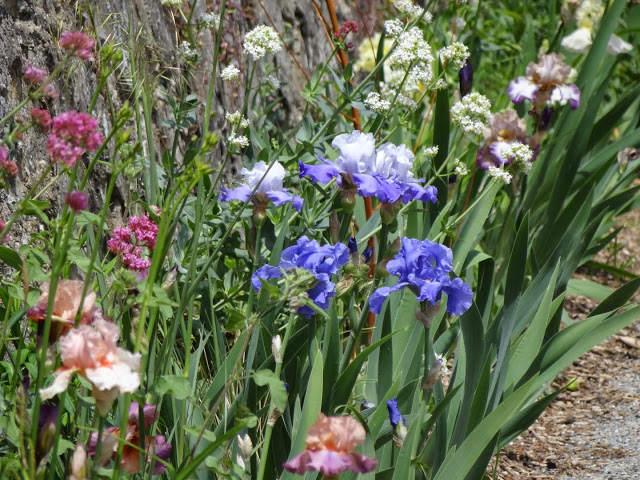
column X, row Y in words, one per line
column 453, row 178
column 46, row 429
column 366, row 255
column 77, row 201
column 545, row 119
column 286, row 386
column 466, row 78
column 353, row 245
column 26, row 385
column 395, row 417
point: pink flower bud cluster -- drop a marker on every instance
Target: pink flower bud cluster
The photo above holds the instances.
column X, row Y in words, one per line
column 79, row 43
column 77, row 201
column 42, row 117
column 73, row 134
column 7, row 165
column 36, row 76
column 129, row 242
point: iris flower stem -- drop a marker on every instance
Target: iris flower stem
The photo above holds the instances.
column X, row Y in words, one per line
column 256, row 261
column 272, row 408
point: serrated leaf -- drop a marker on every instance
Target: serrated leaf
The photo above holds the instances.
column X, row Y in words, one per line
column 176, row 385
column 276, row 387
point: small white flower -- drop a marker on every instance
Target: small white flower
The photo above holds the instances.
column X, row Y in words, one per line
column 472, row 113
column 210, row 20
column 499, row 174
column 273, row 81
column 430, row 152
column 393, row 27
column 414, row 11
column 238, row 140
column 519, row 153
column 444, row 371
column 230, row 73
column 260, row 41
column 187, row 52
column 374, row 102
column 245, row 445
column 616, row 45
column 441, row 84
column 237, row 119
column 460, row 168
column 455, row 54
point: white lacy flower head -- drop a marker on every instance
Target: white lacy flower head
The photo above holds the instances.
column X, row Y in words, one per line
column 210, row 20
column 455, row 54
column 272, row 181
column 91, row 351
column 472, row 113
column 375, row 103
column 239, row 141
column 273, row 81
column 460, row 168
column 519, row 153
column 230, row 73
column 411, row 47
column 414, row 11
column 499, row 174
column 260, row 41
column 237, row 119
column 430, row 152
column 357, row 151
column 393, row 27
column 187, row 52
column 394, row 162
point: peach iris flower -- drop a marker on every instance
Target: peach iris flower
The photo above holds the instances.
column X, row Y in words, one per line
column 330, row 444
column 91, row 351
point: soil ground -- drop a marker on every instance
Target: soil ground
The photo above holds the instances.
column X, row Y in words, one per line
column 592, row 432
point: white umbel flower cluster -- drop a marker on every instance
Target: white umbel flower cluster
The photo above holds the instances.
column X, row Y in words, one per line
column 460, row 168
column 519, row 153
column 230, row 73
column 499, row 174
column 375, row 103
column 239, row 141
column 394, row 27
column 472, row 113
column 455, row 54
column 260, row 41
column 210, row 20
column 187, row 52
column 430, row 152
column 412, row 11
column 237, row 119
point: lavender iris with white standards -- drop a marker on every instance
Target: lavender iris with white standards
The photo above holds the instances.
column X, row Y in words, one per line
column 424, row 266
column 384, row 172
column 269, row 189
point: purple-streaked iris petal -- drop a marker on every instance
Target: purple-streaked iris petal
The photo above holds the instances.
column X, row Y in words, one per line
column 241, row 193
column 318, row 173
column 522, row 89
column 495, row 149
column 567, row 93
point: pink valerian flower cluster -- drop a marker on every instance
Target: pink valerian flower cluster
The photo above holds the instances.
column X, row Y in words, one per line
column 345, row 29
column 41, row 116
column 6, row 165
column 37, row 76
column 91, row 351
column 330, row 444
column 129, row 242
column 79, row 43
column 73, row 134
column 156, row 446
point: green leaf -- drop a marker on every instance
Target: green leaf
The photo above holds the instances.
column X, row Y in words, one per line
column 276, row 387
column 10, row 257
column 404, row 468
column 588, row 288
column 176, row 385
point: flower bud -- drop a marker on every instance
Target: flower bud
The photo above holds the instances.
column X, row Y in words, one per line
column 389, row 212
column 465, row 75
column 426, row 316
column 334, row 227
column 246, row 446
column 79, row 464
column 276, row 348
column 344, row 286
column 348, row 200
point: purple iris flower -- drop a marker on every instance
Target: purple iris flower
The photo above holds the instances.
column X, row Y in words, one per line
column 321, row 261
column 384, row 172
column 270, row 189
column 465, row 75
column 395, row 417
column 424, row 266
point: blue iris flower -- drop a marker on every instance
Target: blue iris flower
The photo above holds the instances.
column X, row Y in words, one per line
column 424, row 266
column 395, row 417
column 384, row 172
column 321, row 261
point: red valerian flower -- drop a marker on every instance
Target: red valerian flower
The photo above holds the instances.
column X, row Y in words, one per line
column 330, row 444
column 79, row 43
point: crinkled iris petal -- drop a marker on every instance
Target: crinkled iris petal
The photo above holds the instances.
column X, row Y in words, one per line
column 265, row 272
column 522, row 89
column 376, row 186
column 281, row 197
column 319, row 173
column 415, row 191
column 330, row 462
column 459, row 296
column 378, row 297
column 241, row 193
column 567, row 93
